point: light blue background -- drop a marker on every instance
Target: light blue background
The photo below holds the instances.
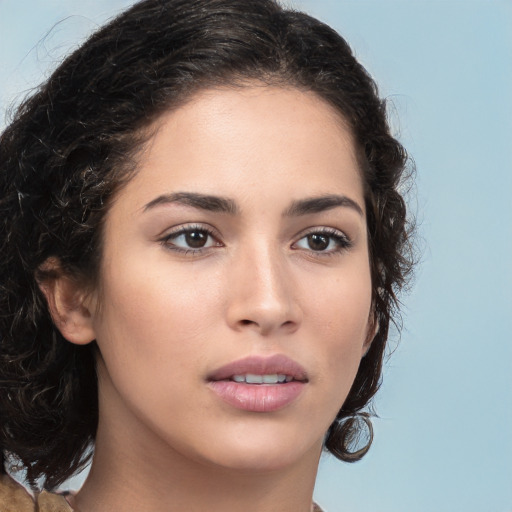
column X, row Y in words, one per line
column 444, row 436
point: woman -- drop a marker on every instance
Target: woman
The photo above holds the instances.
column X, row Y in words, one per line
column 202, row 240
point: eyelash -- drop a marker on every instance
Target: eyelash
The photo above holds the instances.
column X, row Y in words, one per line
column 166, row 241
column 341, row 240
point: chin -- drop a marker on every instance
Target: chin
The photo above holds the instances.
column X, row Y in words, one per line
column 264, row 452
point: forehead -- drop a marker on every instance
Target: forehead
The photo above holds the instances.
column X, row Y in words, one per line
column 231, row 139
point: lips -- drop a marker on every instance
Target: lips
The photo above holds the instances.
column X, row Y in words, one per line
column 258, row 365
column 259, row 384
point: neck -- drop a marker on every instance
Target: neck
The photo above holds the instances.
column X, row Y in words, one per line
column 135, row 472
column 130, row 483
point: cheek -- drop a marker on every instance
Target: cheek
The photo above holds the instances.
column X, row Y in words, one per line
column 340, row 314
column 149, row 336
column 158, row 317
column 159, row 321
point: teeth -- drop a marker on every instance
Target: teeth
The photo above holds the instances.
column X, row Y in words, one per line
column 251, row 378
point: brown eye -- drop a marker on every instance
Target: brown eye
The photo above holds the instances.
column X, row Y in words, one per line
column 190, row 240
column 318, row 242
column 196, row 239
column 324, row 241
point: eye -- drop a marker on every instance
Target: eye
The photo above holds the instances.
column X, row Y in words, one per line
column 324, row 241
column 190, row 239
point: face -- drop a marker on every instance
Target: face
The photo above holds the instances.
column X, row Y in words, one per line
column 235, row 282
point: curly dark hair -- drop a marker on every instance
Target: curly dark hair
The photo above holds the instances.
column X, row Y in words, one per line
column 70, row 148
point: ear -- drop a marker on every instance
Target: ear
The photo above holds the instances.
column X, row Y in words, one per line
column 373, row 329
column 68, row 304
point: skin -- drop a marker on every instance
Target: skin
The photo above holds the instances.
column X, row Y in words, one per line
column 165, row 318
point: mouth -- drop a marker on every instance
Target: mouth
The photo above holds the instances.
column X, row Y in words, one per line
column 252, row 378
column 259, row 384
column 277, row 369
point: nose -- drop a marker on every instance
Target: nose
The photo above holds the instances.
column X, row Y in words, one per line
column 263, row 297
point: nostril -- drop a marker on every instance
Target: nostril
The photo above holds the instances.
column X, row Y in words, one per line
column 246, row 322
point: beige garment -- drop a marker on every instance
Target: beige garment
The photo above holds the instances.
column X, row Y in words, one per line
column 15, row 498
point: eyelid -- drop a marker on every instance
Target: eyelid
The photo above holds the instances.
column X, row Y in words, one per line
column 342, row 240
column 187, row 228
column 345, row 242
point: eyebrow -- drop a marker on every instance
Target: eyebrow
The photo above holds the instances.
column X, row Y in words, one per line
column 227, row 205
column 320, row 204
column 200, row 201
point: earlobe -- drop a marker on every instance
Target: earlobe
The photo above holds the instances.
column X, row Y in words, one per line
column 67, row 306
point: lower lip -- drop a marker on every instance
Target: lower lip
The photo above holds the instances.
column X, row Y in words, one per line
column 257, row 397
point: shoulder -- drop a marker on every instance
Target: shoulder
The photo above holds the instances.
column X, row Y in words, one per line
column 15, row 498
column 49, row 502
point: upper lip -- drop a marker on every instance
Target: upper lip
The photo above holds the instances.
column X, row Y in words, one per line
column 261, row 365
